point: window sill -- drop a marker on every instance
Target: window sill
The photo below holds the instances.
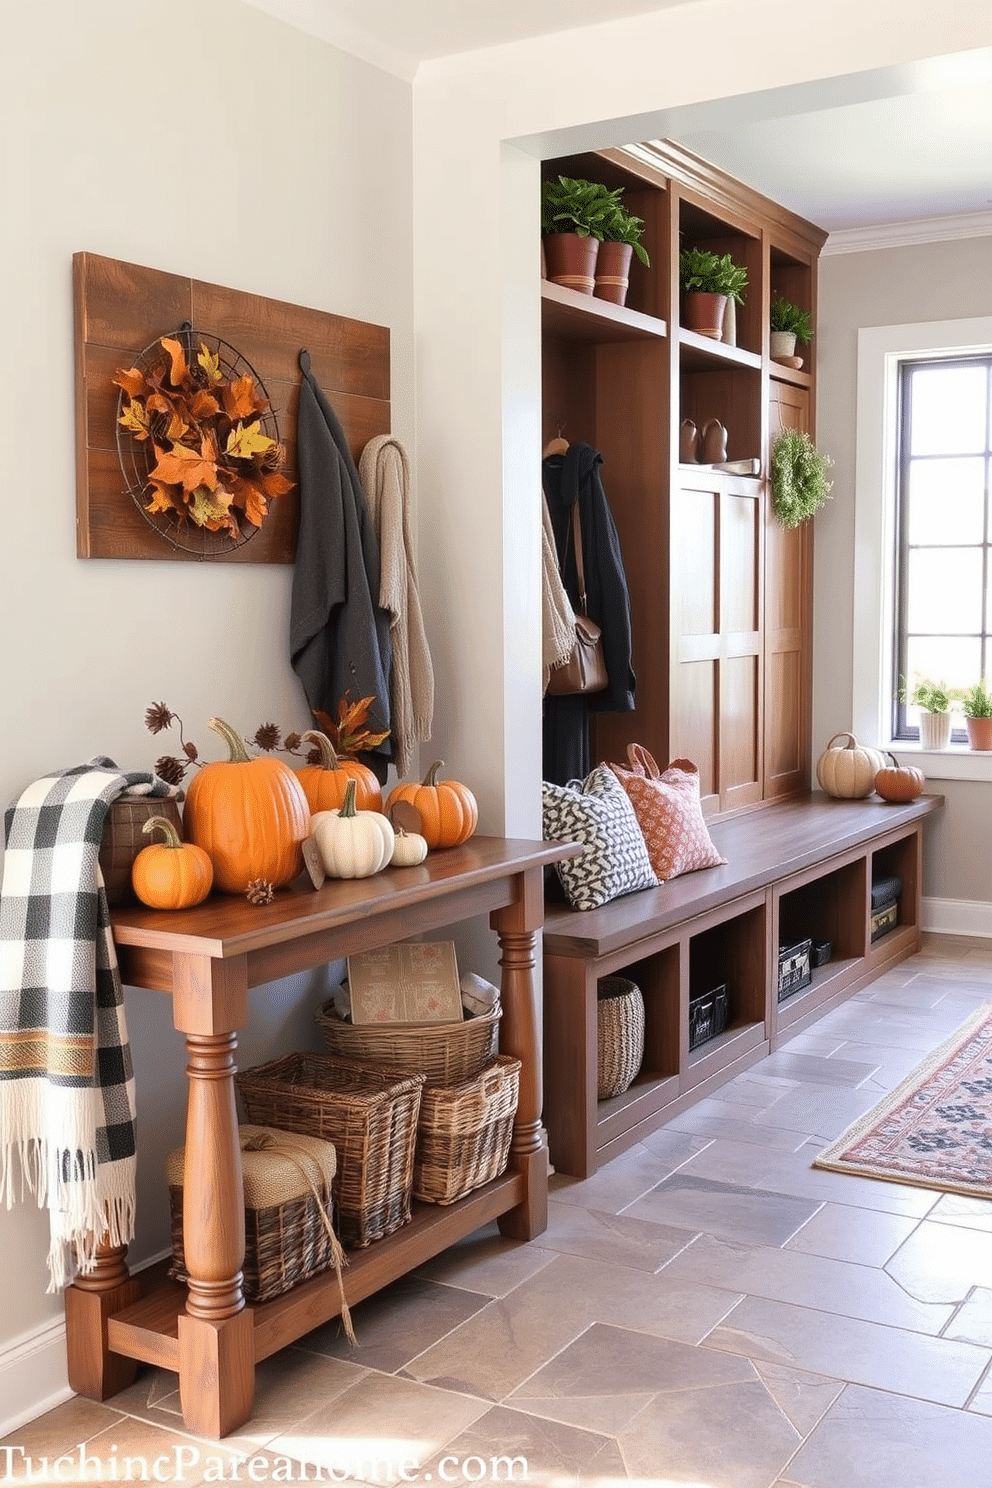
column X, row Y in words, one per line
column 956, row 762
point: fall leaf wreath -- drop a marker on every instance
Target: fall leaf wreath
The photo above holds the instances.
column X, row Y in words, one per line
column 201, row 422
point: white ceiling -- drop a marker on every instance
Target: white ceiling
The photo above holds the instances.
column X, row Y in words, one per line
column 849, row 154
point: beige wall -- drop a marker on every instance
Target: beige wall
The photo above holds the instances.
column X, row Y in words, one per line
column 893, row 286
column 204, row 138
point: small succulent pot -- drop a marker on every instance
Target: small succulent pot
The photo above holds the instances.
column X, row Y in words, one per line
column 979, row 733
column 935, row 730
column 782, row 344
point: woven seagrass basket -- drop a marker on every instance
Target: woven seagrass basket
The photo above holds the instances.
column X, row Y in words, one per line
column 445, row 1053
column 288, row 1181
column 369, row 1113
column 463, row 1133
column 620, row 1027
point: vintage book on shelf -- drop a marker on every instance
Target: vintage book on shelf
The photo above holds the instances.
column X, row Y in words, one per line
column 415, row 982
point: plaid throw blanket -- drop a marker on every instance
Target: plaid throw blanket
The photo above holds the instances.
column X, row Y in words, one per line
column 67, row 1106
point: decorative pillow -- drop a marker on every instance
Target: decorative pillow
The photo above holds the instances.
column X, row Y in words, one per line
column 597, row 812
column 669, row 813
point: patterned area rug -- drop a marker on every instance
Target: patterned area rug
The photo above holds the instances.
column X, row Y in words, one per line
column 935, row 1128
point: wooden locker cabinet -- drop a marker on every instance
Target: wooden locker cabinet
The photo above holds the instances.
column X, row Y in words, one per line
column 721, row 595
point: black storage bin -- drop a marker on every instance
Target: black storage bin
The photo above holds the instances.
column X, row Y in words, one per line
column 794, row 967
column 821, row 952
column 884, row 905
column 707, row 1015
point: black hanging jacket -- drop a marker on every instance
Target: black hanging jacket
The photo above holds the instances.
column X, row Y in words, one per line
column 576, row 475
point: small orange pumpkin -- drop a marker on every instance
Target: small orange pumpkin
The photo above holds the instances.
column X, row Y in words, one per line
column 250, row 816
column 170, row 874
column 449, row 813
column 899, row 783
column 326, row 783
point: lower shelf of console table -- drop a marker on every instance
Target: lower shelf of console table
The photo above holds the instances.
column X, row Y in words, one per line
column 797, row 868
column 207, row 959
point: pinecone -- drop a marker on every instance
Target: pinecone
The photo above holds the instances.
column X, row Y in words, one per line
column 170, row 769
column 260, row 891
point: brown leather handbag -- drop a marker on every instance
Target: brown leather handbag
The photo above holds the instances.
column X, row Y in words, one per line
column 585, row 670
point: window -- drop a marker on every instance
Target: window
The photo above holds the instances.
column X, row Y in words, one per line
column 944, row 441
column 883, row 352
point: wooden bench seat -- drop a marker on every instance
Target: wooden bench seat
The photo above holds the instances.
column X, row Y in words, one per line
column 797, row 869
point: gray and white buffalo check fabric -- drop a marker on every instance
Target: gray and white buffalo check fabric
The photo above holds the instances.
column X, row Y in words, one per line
column 67, row 1107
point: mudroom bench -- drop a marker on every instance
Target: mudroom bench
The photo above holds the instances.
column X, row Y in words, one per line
column 705, row 948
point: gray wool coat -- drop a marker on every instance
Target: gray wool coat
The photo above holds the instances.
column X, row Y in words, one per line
column 339, row 636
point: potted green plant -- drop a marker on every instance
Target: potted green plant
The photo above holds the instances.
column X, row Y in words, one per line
column 622, row 238
column 708, row 280
column 934, row 700
column 976, row 705
column 574, row 214
column 799, row 477
column 788, row 323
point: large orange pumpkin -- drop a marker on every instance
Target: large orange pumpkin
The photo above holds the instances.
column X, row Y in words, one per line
column 326, row 783
column 249, row 815
column 448, row 810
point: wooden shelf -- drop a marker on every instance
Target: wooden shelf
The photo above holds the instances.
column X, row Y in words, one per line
column 794, row 375
column 570, row 316
column 702, row 353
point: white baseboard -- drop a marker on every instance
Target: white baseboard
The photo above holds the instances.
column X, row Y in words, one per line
column 957, row 917
column 33, row 1375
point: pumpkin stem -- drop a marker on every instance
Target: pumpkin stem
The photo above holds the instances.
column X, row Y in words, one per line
column 236, row 745
column 166, row 827
column 347, row 807
column 328, row 758
column 431, row 777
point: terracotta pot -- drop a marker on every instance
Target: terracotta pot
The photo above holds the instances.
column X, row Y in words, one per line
column 703, row 313
column 935, row 730
column 571, row 261
column 613, row 272
column 979, row 733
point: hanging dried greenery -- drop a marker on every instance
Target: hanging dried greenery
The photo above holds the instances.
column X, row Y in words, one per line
column 799, row 477
column 211, row 462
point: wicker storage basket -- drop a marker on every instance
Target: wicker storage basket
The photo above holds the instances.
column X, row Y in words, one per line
column 620, row 1018
column 370, row 1114
column 288, row 1180
column 445, row 1053
column 463, row 1133
column 123, row 839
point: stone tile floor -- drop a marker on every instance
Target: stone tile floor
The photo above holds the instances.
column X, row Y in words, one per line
column 708, row 1310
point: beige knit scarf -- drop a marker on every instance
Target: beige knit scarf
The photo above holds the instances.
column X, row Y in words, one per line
column 384, row 470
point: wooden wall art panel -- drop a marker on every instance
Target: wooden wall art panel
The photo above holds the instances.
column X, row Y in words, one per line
column 122, row 308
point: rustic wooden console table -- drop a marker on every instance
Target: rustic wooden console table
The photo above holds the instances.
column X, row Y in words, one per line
column 206, row 959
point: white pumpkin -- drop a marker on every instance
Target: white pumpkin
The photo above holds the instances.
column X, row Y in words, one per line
column 848, row 770
column 410, row 849
column 353, row 844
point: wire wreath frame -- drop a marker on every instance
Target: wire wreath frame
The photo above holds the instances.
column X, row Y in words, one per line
column 137, row 458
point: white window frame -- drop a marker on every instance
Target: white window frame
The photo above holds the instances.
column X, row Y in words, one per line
column 880, row 350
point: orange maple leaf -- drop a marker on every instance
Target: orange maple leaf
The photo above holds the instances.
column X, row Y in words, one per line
column 179, row 370
column 182, row 466
column 274, row 484
column 131, row 380
column 241, row 398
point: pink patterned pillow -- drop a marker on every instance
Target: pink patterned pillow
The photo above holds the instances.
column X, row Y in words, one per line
column 666, row 804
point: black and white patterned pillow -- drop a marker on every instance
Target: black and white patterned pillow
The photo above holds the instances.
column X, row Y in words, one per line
column 597, row 812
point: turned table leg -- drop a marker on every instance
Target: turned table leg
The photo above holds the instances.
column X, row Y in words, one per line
column 91, row 1299
column 216, row 1344
column 520, row 1037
